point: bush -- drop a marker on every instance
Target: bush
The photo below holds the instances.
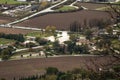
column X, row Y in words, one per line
column 51, row 71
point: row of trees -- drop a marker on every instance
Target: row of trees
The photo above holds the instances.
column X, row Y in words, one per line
column 78, row 27
column 17, row 37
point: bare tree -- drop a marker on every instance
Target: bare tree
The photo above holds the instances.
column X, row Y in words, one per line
column 114, row 12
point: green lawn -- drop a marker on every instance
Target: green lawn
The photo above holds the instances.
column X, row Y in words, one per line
column 6, row 41
column 39, row 34
column 66, row 8
column 35, row 34
column 11, row 2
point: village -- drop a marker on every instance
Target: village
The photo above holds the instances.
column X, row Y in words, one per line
column 38, row 33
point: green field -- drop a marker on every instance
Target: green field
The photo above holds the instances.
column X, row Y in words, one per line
column 66, row 8
column 39, row 34
column 11, row 2
column 6, row 41
column 35, row 34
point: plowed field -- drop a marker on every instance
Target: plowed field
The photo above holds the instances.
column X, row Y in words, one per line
column 14, row 31
column 4, row 19
column 63, row 20
column 19, row 68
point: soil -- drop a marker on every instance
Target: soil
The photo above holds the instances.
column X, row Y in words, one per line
column 14, row 31
column 62, row 21
column 21, row 68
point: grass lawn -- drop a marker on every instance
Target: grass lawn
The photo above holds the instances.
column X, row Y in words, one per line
column 6, row 41
column 66, row 8
column 39, row 34
column 35, row 34
column 11, row 2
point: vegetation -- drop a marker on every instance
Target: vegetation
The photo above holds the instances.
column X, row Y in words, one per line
column 77, row 74
column 6, row 41
column 35, row 34
column 49, row 31
column 11, row 2
column 17, row 37
column 66, row 8
column 6, row 53
column 41, row 41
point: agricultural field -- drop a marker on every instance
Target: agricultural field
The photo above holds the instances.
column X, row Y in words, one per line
column 91, row 6
column 4, row 19
column 62, row 21
column 10, row 2
column 21, row 68
column 14, row 31
column 6, row 41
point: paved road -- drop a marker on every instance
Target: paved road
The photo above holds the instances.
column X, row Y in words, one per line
column 40, row 12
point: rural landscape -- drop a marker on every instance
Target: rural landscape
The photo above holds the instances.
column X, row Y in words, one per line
column 59, row 39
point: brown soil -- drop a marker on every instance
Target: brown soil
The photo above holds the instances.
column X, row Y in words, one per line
column 13, row 31
column 4, row 20
column 92, row 6
column 19, row 68
column 63, row 20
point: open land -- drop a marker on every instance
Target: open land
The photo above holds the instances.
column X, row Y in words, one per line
column 18, row 68
column 92, row 6
column 6, row 41
column 62, row 21
column 14, row 31
column 4, row 19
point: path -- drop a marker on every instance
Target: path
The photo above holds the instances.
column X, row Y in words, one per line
column 73, row 5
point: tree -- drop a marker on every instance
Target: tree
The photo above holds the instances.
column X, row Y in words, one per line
column 75, row 27
column 51, row 71
column 66, row 77
column 88, row 33
column 56, row 46
column 53, row 29
column 109, row 30
column 48, row 29
column 30, row 45
column 73, row 38
column 6, row 53
column 70, row 46
column 114, row 12
column 41, row 41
